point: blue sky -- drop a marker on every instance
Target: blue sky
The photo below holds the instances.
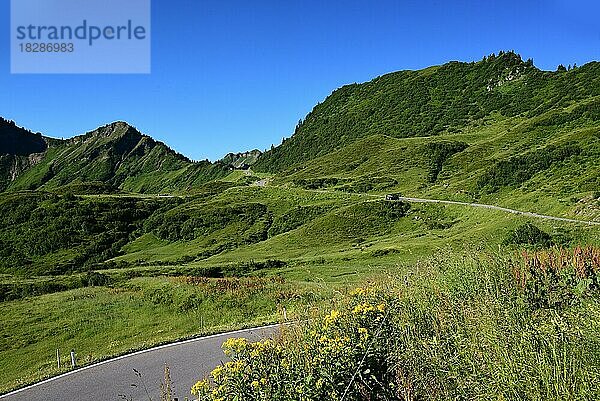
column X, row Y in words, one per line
column 237, row 75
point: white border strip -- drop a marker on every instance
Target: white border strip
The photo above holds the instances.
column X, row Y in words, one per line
column 138, row 353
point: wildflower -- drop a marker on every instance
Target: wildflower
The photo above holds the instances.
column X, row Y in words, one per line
column 234, row 346
column 254, row 384
column 216, row 373
column 200, row 387
column 363, row 308
column 357, row 291
column 363, row 333
column 235, row 367
column 332, row 317
column 362, row 291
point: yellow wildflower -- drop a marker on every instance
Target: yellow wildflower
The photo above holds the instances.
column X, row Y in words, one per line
column 364, row 333
column 216, row 373
column 200, row 388
column 234, row 345
column 363, row 308
column 332, row 317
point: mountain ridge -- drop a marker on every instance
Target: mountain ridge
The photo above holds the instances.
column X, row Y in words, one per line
column 117, row 154
column 429, row 102
column 439, row 101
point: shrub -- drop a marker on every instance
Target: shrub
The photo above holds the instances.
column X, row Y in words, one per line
column 528, row 234
column 437, row 153
column 343, row 354
column 295, row 218
column 518, row 169
column 96, row 279
column 557, row 278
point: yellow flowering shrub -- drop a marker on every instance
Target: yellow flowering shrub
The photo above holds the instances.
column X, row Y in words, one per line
column 342, row 352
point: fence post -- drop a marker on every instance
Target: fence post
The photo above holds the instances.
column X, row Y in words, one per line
column 73, row 359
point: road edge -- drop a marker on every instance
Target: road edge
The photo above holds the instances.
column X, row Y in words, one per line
column 138, row 353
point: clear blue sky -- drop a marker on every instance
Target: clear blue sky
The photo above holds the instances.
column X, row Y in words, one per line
column 236, row 75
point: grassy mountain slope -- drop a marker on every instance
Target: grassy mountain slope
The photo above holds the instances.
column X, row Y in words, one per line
column 119, row 155
column 430, row 102
column 195, row 247
column 498, row 131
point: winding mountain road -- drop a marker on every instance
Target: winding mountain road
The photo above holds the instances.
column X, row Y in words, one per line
column 190, row 360
column 502, row 209
column 115, row 379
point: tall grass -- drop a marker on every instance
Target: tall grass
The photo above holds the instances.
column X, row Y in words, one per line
column 458, row 326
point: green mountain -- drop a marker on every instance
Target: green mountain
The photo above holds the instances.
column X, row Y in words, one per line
column 117, row 155
column 114, row 241
column 242, row 160
column 498, row 131
column 19, row 150
column 436, row 101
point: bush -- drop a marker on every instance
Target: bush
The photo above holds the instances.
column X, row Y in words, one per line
column 518, row 169
column 558, row 278
column 96, row 279
column 295, row 218
column 342, row 353
column 528, row 234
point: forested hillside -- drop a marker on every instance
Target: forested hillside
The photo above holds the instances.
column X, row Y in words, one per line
column 437, row 100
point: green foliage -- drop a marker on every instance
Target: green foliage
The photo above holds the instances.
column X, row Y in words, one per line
column 10, row 291
column 456, row 328
column 354, row 223
column 559, row 278
column 252, row 221
column 132, row 314
column 295, row 218
column 319, row 183
column 518, row 169
column 528, row 234
column 340, row 357
column 429, row 102
column 369, row 183
column 438, row 153
column 49, row 234
column 86, row 188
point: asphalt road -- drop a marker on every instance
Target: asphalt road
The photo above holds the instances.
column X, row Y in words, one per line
column 188, row 361
column 503, row 209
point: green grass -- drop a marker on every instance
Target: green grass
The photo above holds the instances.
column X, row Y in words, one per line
column 347, row 231
column 99, row 322
column 455, row 326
